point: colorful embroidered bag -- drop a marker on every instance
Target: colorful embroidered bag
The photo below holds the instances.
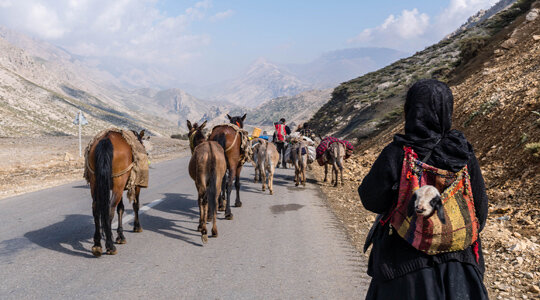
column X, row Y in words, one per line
column 429, row 234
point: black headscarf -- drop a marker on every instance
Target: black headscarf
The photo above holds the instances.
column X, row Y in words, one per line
column 428, row 122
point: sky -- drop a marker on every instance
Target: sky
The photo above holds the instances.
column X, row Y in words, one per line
column 207, row 41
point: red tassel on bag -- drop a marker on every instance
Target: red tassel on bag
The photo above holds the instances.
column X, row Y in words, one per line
column 475, row 250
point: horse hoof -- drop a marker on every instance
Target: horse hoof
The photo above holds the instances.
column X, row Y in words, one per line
column 112, row 251
column 221, row 208
column 271, row 192
column 137, row 229
column 199, row 228
column 120, row 240
column 237, row 204
column 229, row 217
column 97, row 251
column 204, row 238
column 214, row 234
column 296, row 184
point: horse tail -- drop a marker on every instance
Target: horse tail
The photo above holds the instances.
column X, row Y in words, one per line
column 211, row 184
column 221, row 139
column 339, row 156
column 103, row 171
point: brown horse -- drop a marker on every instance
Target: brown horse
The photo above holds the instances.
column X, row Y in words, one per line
column 207, row 168
column 110, row 160
column 231, row 142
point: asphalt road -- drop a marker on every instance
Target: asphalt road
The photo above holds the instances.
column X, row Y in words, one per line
column 283, row 246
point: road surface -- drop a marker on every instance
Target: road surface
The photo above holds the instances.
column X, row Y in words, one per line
column 283, row 246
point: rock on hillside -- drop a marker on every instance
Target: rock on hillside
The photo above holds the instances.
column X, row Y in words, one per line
column 365, row 105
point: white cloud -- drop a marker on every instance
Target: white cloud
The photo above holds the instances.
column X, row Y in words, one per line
column 413, row 30
column 395, row 31
column 128, row 29
column 222, row 15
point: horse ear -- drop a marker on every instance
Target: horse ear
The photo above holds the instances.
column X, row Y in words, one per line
column 141, row 134
column 189, row 125
column 230, row 118
column 244, row 117
column 203, row 124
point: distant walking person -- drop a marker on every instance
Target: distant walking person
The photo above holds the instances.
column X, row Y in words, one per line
column 429, row 191
column 280, row 135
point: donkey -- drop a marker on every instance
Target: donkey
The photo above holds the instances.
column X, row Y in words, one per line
column 207, row 168
column 266, row 158
column 334, row 155
column 299, row 158
column 231, row 142
column 109, row 162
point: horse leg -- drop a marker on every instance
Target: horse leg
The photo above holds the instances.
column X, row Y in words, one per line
column 120, row 239
column 136, row 224
column 118, row 189
column 228, row 213
column 335, row 173
column 263, row 176
column 96, row 249
column 204, row 217
column 223, row 194
column 238, row 203
column 304, row 173
column 325, row 172
column 199, row 201
column 340, row 164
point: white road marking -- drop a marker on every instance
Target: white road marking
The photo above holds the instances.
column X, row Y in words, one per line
column 127, row 218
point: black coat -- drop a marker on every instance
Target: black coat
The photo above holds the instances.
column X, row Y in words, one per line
column 428, row 122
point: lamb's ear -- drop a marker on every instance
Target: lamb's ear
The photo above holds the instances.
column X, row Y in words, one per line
column 411, row 208
column 189, row 125
column 440, row 211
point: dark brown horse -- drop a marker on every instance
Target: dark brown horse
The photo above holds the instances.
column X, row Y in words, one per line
column 231, row 142
column 207, row 168
column 110, row 161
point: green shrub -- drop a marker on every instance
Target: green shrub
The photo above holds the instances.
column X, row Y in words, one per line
column 470, row 47
column 534, row 148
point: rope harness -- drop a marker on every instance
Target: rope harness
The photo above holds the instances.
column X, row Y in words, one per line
column 234, row 142
column 114, row 174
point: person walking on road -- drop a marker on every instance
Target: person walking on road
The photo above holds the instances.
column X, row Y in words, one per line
column 400, row 267
column 280, row 136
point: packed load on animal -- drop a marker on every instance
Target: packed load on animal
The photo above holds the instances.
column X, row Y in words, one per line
column 246, row 151
column 296, row 137
column 138, row 169
column 326, row 142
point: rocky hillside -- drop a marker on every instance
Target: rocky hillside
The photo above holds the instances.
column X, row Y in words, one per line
column 496, row 96
column 363, row 106
column 297, row 109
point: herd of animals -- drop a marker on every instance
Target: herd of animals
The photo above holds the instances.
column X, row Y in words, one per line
column 216, row 161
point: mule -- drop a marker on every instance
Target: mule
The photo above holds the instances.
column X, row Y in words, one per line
column 299, row 157
column 207, row 168
column 334, row 156
column 231, row 142
column 110, row 160
column 266, row 158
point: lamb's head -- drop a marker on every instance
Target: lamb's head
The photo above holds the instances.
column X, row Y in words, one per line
column 425, row 201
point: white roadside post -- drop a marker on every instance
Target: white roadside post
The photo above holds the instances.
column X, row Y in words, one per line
column 80, row 120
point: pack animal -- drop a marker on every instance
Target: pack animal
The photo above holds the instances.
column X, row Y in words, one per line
column 334, row 156
column 207, row 168
column 266, row 158
column 110, row 160
column 299, row 157
column 231, row 142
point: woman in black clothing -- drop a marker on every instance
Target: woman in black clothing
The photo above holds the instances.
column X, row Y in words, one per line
column 398, row 270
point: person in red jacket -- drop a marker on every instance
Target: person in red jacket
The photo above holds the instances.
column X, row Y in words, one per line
column 280, row 136
column 398, row 270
